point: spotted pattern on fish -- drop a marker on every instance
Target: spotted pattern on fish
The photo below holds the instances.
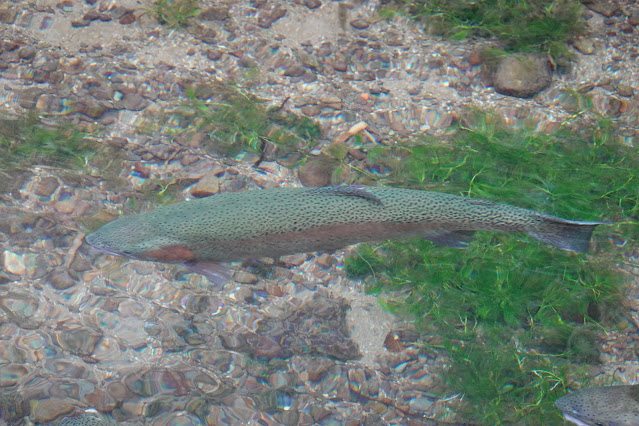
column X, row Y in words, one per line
column 275, row 222
column 84, row 420
column 602, row 405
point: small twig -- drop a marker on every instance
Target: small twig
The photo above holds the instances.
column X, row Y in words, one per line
column 75, row 245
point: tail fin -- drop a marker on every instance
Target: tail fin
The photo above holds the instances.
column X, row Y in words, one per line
column 564, row 234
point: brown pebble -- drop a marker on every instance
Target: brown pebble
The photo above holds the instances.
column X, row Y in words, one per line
column 26, row 52
column 91, row 15
column 213, row 55
column 474, row 59
column 294, row 71
column 625, row 90
column 65, row 4
column 127, row 18
column 266, row 18
column 208, row 185
column 359, row 24
column 275, row 290
column 216, row 13
column 325, row 260
column 357, row 154
column 73, row 66
column 133, row 102
column 244, row 277
column 46, row 186
column 61, row 279
column 392, row 342
column 46, row 410
column 80, row 23
column 8, row 13
column 316, row 173
column 339, row 63
column 312, row 4
column 101, row 400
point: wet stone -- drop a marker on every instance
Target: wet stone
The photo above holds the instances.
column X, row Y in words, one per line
column 216, row 13
column 78, row 341
column 8, row 13
column 266, row 18
column 45, row 187
column 157, row 381
column 312, row 4
column 133, row 102
column 523, row 75
column 244, row 277
column 61, row 279
column 213, row 55
column 26, row 52
column 208, row 185
column 48, row 409
column 316, row 173
column 359, row 24
column 10, row 374
column 625, row 90
column 294, row 71
column 127, row 18
column 101, row 400
column 584, row 45
column 14, row 263
column 606, row 8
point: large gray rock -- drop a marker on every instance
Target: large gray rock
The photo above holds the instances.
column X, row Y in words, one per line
column 522, row 75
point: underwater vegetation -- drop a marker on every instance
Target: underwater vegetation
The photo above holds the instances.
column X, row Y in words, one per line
column 543, row 25
column 174, row 13
column 235, row 121
column 28, row 141
column 515, row 317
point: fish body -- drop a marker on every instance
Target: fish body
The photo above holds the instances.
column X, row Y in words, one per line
column 602, row 405
column 274, row 222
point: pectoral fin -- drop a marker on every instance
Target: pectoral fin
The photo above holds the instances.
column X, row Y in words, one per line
column 217, row 273
column 457, row 239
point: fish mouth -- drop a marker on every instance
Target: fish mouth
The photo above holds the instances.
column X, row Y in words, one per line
column 96, row 247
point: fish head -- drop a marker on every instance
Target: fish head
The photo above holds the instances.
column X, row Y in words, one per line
column 604, row 405
column 136, row 239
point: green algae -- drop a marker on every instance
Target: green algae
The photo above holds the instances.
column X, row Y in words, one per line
column 235, row 121
column 545, row 25
column 174, row 13
column 27, row 141
column 509, row 308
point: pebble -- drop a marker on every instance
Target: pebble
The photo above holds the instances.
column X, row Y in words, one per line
column 522, row 75
column 47, row 410
column 14, row 263
column 359, row 24
column 244, row 277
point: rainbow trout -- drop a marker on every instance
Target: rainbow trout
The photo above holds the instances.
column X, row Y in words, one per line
column 274, row 222
column 602, row 405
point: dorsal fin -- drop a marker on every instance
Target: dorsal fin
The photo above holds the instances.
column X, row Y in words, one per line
column 348, row 191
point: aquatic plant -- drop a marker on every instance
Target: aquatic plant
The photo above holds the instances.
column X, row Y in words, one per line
column 506, row 297
column 27, row 141
column 544, row 25
column 174, row 13
column 236, row 121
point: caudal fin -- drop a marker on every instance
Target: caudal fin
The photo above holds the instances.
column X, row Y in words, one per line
column 564, row 234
